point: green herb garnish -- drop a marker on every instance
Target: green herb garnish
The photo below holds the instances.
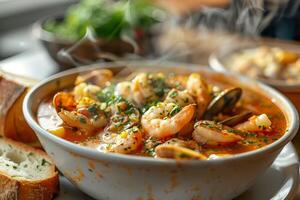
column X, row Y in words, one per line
column 107, row 19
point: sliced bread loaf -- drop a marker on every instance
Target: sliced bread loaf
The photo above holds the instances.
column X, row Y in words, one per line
column 12, row 122
column 26, row 173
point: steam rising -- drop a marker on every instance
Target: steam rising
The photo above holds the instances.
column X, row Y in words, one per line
column 194, row 36
column 74, row 56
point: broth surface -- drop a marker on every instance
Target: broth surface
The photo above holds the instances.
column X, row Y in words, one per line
column 250, row 101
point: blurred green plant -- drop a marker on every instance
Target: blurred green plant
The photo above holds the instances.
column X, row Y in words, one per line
column 107, row 19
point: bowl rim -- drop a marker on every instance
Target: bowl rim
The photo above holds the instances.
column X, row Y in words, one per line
column 215, row 61
column 41, row 33
column 97, row 155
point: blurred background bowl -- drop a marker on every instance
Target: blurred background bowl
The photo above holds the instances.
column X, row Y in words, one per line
column 217, row 61
column 70, row 53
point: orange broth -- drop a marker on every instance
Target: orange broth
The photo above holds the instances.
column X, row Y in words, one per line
column 251, row 100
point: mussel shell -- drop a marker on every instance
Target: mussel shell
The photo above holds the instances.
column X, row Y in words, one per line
column 225, row 101
column 237, row 119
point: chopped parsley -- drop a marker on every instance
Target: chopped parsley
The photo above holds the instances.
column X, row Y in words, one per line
column 147, row 106
column 30, row 154
column 248, row 142
column 82, row 120
column 150, row 152
column 159, row 85
column 242, row 133
column 174, row 111
column 174, row 94
column 44, row 162
column 93, row 110
column 106, row 94
column 130, row 110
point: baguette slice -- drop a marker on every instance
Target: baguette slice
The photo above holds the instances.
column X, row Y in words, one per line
column 12, row 122
column 26, row 173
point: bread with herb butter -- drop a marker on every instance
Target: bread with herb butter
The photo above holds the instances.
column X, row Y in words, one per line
column 26, row 173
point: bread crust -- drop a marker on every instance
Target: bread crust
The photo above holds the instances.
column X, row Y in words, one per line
column 17, row 188
column 11, row 189
column 12, row 122
column 8, row 188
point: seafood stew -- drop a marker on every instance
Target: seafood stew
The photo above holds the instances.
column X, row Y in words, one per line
column 264, row 62
column 163, row 115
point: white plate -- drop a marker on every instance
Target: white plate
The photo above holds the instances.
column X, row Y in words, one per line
column 279, row 182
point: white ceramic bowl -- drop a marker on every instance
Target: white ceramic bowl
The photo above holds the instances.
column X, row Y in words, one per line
column 217, row 61
column 115, row 176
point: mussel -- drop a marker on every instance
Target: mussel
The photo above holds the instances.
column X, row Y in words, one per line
column 237, row 119
column 224, row 102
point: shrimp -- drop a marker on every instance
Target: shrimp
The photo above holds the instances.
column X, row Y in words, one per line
column 255, row 123
column 122, row 135
column 121, row 121
column 97, row 77
column 212, row 133
column 123, row 89
column 85, row 90
column 147, row 87
column 86, row 124
column 128, row 141
column 85, row 114
column 166, row 119
column 187, row 130
column 149, row 146
column 181, row 98
column 179, row 149
column 64, row 100
column 198, row 89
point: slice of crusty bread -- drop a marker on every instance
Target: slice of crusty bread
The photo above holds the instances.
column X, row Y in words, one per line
column 12, row 122
column 26, row 173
